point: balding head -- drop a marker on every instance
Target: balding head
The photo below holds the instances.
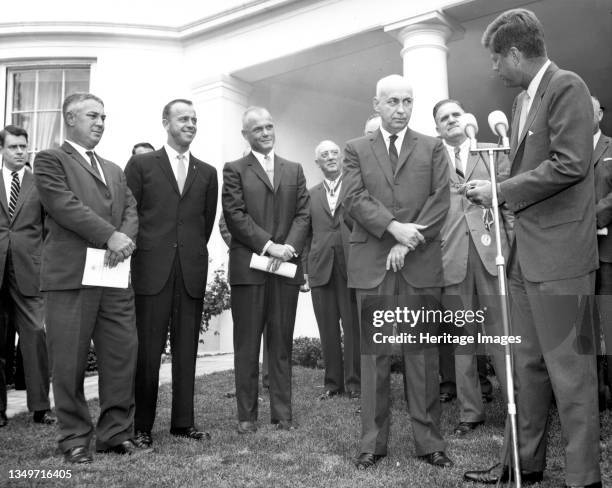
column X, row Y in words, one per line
column 393, row 102
column 329, row 159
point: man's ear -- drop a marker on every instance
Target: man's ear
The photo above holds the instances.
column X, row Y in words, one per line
column 375, row 104
column 70, row 119
column 517, row 55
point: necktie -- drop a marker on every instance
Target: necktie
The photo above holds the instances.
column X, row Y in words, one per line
column 269, row 165
column 332, row 189
column 524, row 112
column 393, row 152
column 487, row 218
column 181, row 172
column 92, row 161
column 458, row 164
column 15, row 187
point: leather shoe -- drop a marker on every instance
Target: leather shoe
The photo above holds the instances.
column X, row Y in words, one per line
column 500, row 474
column 465, row 427
column 77, row 455
column 3, row 419
column 247, row 427
column 142, row 439
column 286, row 425
column 44, row 417
column 127, row 447
column 446, row 397
column 366, row 460
column 330, row 394
column 438, row 458
column 190, row 433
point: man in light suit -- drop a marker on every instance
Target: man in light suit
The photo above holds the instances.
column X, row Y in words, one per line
column 88, row 205
column 554, row 255
column 468, row 259
column 267, row 211
column 176, row 196
column 324, row 262
column 21, row 235
column 395, row 188
column 602, row 162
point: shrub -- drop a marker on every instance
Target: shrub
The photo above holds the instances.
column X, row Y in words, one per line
column 216, row 298
column 307, row 352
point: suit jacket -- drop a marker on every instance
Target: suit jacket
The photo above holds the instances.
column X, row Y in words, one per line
column 418, row 192
column 465, row 221
column 550, row 188
column 82, row 211
column 256, row 212
column 602, row 162
column 23, row 235
column 171, row 223
column 326, row 241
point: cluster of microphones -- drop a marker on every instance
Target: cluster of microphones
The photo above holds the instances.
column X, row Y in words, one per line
column 498, row 122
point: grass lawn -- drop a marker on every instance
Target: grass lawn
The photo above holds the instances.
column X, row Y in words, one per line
column 318, row 454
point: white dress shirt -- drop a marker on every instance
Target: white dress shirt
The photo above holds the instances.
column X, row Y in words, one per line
column 83, row 152
column 398, row 142
column 7, row 174
column 464, row 151
column 173, row 158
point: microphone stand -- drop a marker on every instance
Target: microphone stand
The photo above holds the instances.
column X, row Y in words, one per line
column 500, row 262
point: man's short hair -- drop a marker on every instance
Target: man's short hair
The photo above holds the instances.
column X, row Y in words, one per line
column 14, row 131
column 78, row 97
column 519, row 28
column 168, row 106
column 444, row 102
column 249, row 111
column 382, row 84
column 142, row 144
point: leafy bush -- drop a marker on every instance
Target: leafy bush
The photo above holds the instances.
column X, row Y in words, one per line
column 307, row 352
column 216, row 298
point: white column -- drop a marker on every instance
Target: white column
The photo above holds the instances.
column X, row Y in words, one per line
column 424, row 55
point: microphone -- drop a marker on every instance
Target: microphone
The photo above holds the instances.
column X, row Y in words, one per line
column 470, row 128
column 498, row 122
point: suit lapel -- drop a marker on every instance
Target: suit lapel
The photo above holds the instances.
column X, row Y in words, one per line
column 382, row 155
column 471, row 164
column 3, row 195
column 68, row 148
column 278, row 172
column 259, row 171
column 24, row 190
column 164, row 163
column 408, row 145
column 191, row 174
column 322, row 194
column 600, row 148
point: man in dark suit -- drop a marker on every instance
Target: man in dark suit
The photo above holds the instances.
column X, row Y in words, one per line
column 554, row 255
column 395, row 188
column 88, row 205
column 324, row 262
column 266, row 208
column 602, row 162
column 176, row 196
column 468, row 260
column 21, row 235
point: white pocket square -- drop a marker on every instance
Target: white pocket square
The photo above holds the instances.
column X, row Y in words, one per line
column 607, row 159
column 529, row 133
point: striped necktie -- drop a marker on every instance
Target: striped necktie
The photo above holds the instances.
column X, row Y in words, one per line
column 92, row 161
column 15, row 187
column 458, row 164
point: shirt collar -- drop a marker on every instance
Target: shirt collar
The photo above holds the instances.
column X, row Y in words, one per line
column 260, row 156
column 596, row 137
column 9, row 172
column 81, row 150
column 535, row 82
column 173, row 153
column 400, row 135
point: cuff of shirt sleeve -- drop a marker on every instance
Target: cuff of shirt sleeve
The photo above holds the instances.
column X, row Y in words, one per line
column 265, row 248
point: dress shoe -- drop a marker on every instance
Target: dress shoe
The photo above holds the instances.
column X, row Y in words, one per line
column 366, row 460
column 142, row 439
column 44, row 417
column 354, row 395
column 3, row 419
column 126, row 448
column 286, row 425
column 446, row 397
column 247, row 427
column 500, row 474
column 190, row 433
column 330, row 394
column 438, row 458
column 77, row 455
column 465, row 427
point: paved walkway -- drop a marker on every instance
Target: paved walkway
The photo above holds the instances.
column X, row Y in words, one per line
column 16, row 400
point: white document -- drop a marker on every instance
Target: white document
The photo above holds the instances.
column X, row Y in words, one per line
column 96, row 274
column 261, row 263
column 602, row 232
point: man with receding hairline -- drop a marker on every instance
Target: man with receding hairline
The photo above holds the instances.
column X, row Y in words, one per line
column 176, row 196
column 324, row 263
column 88, row 204
column 553, row 258
column 395, row 188
column 267, row 211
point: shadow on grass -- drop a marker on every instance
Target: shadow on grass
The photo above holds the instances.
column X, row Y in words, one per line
column 318, row 454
